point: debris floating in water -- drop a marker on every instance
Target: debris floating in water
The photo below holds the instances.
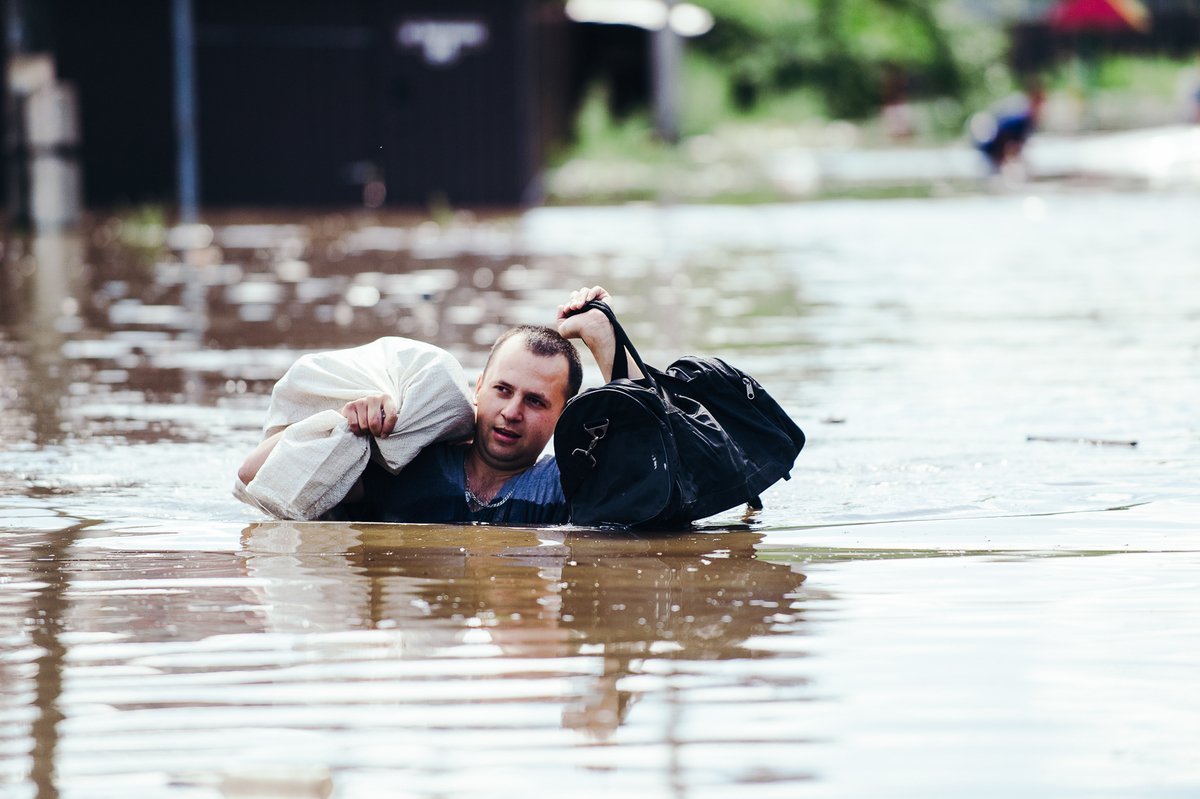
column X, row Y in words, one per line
column 1096, row 442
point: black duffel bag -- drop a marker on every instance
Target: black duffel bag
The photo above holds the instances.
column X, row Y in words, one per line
column 670, row 447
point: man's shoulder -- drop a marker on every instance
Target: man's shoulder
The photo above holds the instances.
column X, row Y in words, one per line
column 446, row 452
column 436, row 462
column 546, row 463
column 546, row 468
column 540, row 481
column 536, row 496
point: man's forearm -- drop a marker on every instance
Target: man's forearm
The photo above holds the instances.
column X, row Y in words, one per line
column 594, row 329
column 603, row 349
column 257, row 458
column 601, row 342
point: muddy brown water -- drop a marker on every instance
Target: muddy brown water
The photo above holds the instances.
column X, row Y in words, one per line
column 980, row 581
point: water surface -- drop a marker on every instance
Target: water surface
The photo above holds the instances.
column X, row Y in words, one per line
column 980, row 581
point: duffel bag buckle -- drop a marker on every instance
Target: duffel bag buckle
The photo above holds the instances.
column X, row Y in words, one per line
column 597, row 430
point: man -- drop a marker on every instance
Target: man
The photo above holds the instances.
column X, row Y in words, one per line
column 497, row 478
column 1001, row 135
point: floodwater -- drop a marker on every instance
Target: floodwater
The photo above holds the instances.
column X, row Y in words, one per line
column 982, row 580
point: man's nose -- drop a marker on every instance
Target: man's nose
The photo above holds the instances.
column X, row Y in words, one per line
column 512, row 409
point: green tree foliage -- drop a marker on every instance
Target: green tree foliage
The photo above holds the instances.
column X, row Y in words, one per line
column 846, row 50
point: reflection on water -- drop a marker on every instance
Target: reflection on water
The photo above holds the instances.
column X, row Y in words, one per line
column 610, row 600
column 400, row 649
column 311, row 659
column 955, row 595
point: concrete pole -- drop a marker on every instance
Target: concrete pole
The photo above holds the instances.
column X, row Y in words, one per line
column 186, row 129
column 666, row 52
column 45, row 188
column 55, row 176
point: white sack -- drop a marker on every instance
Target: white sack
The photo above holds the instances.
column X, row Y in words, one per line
column 317, row 459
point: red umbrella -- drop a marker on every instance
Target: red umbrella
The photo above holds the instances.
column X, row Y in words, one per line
column 1103, row 15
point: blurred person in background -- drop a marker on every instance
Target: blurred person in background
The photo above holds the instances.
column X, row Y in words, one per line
column 1000, row 134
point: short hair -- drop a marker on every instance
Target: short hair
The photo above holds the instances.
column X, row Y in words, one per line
column 546, row 342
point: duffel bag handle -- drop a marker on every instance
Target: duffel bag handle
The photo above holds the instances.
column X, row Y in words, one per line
column 620, row 365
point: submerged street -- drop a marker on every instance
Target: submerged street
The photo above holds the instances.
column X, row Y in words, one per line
column 980, row 579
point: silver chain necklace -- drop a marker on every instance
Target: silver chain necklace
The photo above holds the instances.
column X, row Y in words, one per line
column 475, row 503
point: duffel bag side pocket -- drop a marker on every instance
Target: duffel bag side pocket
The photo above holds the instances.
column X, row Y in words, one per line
column 614, row 458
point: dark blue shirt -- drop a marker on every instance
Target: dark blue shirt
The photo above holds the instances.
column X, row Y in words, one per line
column 433, row 489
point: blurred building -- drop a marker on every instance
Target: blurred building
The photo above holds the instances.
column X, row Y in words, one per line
column 311, row 102
column 1040, row 38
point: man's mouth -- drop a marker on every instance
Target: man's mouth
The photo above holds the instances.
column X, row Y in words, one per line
column 504, row 435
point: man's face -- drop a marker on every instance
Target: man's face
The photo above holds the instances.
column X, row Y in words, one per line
column 518, row 400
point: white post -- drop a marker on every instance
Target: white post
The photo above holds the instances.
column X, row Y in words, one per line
column 55, row 182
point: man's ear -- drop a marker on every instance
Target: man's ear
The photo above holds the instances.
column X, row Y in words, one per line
column 478, row 385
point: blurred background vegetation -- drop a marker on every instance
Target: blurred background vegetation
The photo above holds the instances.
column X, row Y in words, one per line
column 810, row 63
column 840, row 51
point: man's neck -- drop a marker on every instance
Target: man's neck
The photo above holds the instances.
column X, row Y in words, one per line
column 483, row 480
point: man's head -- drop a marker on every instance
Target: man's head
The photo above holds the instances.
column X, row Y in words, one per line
column 527, row 380
column 547, row 343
